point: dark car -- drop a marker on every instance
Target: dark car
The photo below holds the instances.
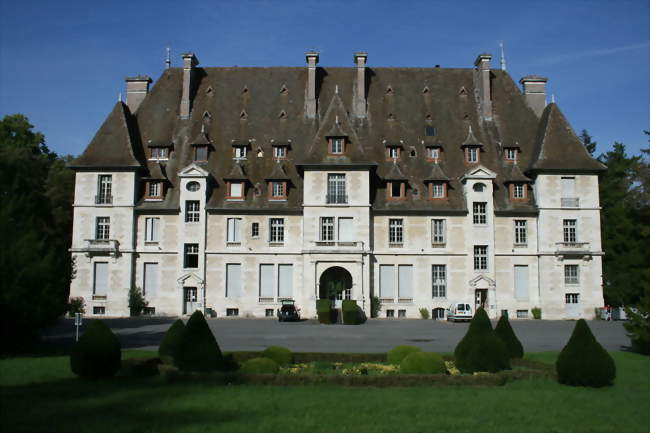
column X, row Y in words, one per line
column 288, row 311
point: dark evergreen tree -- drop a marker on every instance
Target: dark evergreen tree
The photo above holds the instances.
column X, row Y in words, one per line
column 170, row 343
column 198, row 349
column 587, row 140
column 97, row 354
column 505, row 332
column 481, row 349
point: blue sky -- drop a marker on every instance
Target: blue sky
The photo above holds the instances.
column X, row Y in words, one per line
column 63, row 63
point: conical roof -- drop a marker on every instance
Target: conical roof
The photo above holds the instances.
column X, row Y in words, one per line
column 277, row 173
column 436, row 174
column 395, row 173
column 471, row 139
column 514, row 174
column 236, row 173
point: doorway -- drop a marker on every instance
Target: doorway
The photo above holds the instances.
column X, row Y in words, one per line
column 335, row 284
column 189, row 300
column 480, row 295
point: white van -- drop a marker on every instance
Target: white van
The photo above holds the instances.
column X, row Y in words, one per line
column 459, row 312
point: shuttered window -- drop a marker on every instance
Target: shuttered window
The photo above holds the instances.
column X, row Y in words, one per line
column 234, row 230
column 568, row 187
column 100, row 283
column 387, row 281
column 151, row 228
column 405, row 275
column 285, row 281
column 521, row 282
column 345, row 230
column 233, row 280
column 266, row 281
column 150, row 278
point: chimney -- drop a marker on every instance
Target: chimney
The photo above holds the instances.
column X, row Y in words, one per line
column 482, row 64
column 189, row 62
column 136, row 89
column 534, row 88
column 359, row 105
column 310, row 99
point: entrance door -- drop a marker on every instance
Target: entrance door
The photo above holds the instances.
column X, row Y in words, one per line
column 335, row 284
column 189, row 300
column 480, row 295
column 572, row 305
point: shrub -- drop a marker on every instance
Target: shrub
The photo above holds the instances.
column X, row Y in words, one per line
column 583, row 361
column 398, row 353
column 260, row 366
column 323, row 308
column 349, row 307
column 422, row 363
column 537, row 313
column 136, row 301
column 169, row 345
column 281, row 355
column 76, row 305
column 638, row 325
column 481, row 349
column 505, row 332
column 424, row 313
column 97, row 353
column 197, row 348
column 375, row 306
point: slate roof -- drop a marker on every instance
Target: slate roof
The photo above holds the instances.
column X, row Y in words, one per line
column 273, row 115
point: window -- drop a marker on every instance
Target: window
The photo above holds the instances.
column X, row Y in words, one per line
column 102, row 228
column 518, row 191
column 267, row 279
column 276, row 232
column 200, row 153
column 159, row 153
column 395, row 231
column 480, row 257
column 327, row 228
column 479, row 212
column 521, row 282
column 438, row 232
column 569, row 198
column 255, row 230
column 511, row 154
column 149, row 311
column 99, row 310
column 104, row 189
column 150, row 279
column 521, row 235
column 346, row 226
column 572, row 298
column 401, row 313
column 479, row 187
column 100, row 278
column 151, row 229
column 405, row 282
column 336, row 189
column 193, row 186
column 192, row 211
column 239, row 152
column 571, row 275
column 433, row 154
column 232, row 312
column 233, row 280
column 278, row 190
column 471, row 154
column 269, row 312
column 438, row 190
column 387, row 281
column 438, row 281
column 232, row 227
column 429, row 131
column 393, row 152
column 522, row 314
column 569, row 230
column 285, row 281
column 236, row 190
column 396, row 190
column 438, row 314
column 191, row 258
column 390, row 313
column 337, row 145
column 279, row 152
column 154, row 189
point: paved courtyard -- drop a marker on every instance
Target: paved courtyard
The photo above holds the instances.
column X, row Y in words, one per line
column 376, row 335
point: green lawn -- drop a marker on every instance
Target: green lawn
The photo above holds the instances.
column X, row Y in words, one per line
column 40, row 394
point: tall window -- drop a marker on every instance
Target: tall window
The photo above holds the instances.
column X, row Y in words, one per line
column 280, row 152
column 278, row 190
column 192, row 211
column 396, row 190
column 150, row 279
column 518, row 190
column 103, row 228
column 511, row 154
column 480, row 258
column 327, row 228
column 571, row 275
column 233, row 228
column 521, row 235
column 479, row 212
column 471, row 155
column 569, row 230
column 100, row 278
column 255, row 230
column 154, row 189
column 104, row 189
column 233, row 280
column 200, row 153
column 236, row 189
column 337, row 145
column 191, row 256
column 572, row 298
column 433, row 154
column 239, row 152
column 439, row 281
column 395, row 231
column 429, row 131
column 276, row 232
column 159, row 153
column 336, row 188
column 438, row 232
column 151, row 228
column 438, row 190
column 393, row 152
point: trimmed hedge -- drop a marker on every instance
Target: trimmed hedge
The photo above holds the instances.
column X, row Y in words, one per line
column 349, row 307
column 422, row 363
column 481, row 349
column 197, row 348
column 97, row 354
column 398, row 353
column 505, row 332
column 260, row 366
column 323, row 308
column 583, row 361
column 306, row 357
column 281, row 355
column 169, row 345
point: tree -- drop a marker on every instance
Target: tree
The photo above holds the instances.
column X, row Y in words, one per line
column 588, row 142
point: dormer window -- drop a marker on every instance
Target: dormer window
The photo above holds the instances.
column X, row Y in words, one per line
column 235, row 190
column 279, row 152
column 396, row 190
column 511, row 154
column 429, row 131
column 518, row 191
column 393, row 152
column 438, row 190
column 239, row 152
column 277, row 190
column 158, row 153
column 433, row 154
column 337, row 145
column 154, row 190
column 201, row 153
column 472, row 154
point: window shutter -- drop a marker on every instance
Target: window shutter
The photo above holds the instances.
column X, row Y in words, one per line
column 235, row 189
column 150, row 286
column 101, row 278
column 521, row 282
column 405, row 275
column 285, row 281
column 266, row 281
column 233, row 280
column 387, row 281
column 345, row 230
column 568, row 187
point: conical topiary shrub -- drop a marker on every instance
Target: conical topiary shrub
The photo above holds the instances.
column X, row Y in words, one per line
column 505, row 332
column 197, row 348
column 169, row 345
column 97, row 353
column 583, row 361
column 398, row 353
column 481, row 349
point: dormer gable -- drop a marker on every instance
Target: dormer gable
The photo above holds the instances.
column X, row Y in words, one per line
column 193, row 170
column 479, row 172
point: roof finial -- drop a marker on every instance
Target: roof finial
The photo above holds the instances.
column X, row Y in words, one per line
column 503, row 57
column 168, row 59
column 552, row 98
column 337, row 119
column 119, row 97
column 336, row 89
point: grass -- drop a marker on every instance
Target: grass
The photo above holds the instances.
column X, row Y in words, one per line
column 41, row 395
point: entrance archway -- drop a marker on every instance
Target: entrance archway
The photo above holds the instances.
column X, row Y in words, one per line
column 335, row 284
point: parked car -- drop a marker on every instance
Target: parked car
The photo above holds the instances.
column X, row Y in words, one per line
column 459, row 312
column 288, row 311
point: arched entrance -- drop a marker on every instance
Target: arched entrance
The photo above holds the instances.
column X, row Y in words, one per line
column 335, row 284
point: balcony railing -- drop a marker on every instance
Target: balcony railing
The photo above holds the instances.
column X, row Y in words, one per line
column 570, row 201
column 102, row 247
column 336, row 199
column 103, row 199
column 572, row 245
column 337, row 243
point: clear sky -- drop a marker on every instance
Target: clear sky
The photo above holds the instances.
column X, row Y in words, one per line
column 63, row 63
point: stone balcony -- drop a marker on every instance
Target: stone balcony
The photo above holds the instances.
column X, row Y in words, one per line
column 336, row 247
column 102, row 247
column 570, row 202
column 573, row 249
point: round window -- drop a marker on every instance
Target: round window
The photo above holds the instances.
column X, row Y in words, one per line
column 479, row 187
column 193, row 186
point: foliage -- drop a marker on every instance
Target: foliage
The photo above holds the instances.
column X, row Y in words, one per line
column 323, row 308
column 35, row 228
column 638, row 325
column 505, row 332
column 424, row 313
column 583, row 361
column 587, row 140
column 537, row 313
column 423, row 363
column 281, row 355
column 349, row 307
column 170, row 342
column 481, row 349
column 97, row 353
column 76, row 305
column 398, row 353
column 260, row 366
column 137, row 302
column 198, row 349
column 375, row 306
column 307, row 357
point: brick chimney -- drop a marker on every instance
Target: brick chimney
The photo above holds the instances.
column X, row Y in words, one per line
column 310, row 97
column 136, row 89
column 359, row 104
column 534, row 88
column 189, row 62
column 482, row 81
